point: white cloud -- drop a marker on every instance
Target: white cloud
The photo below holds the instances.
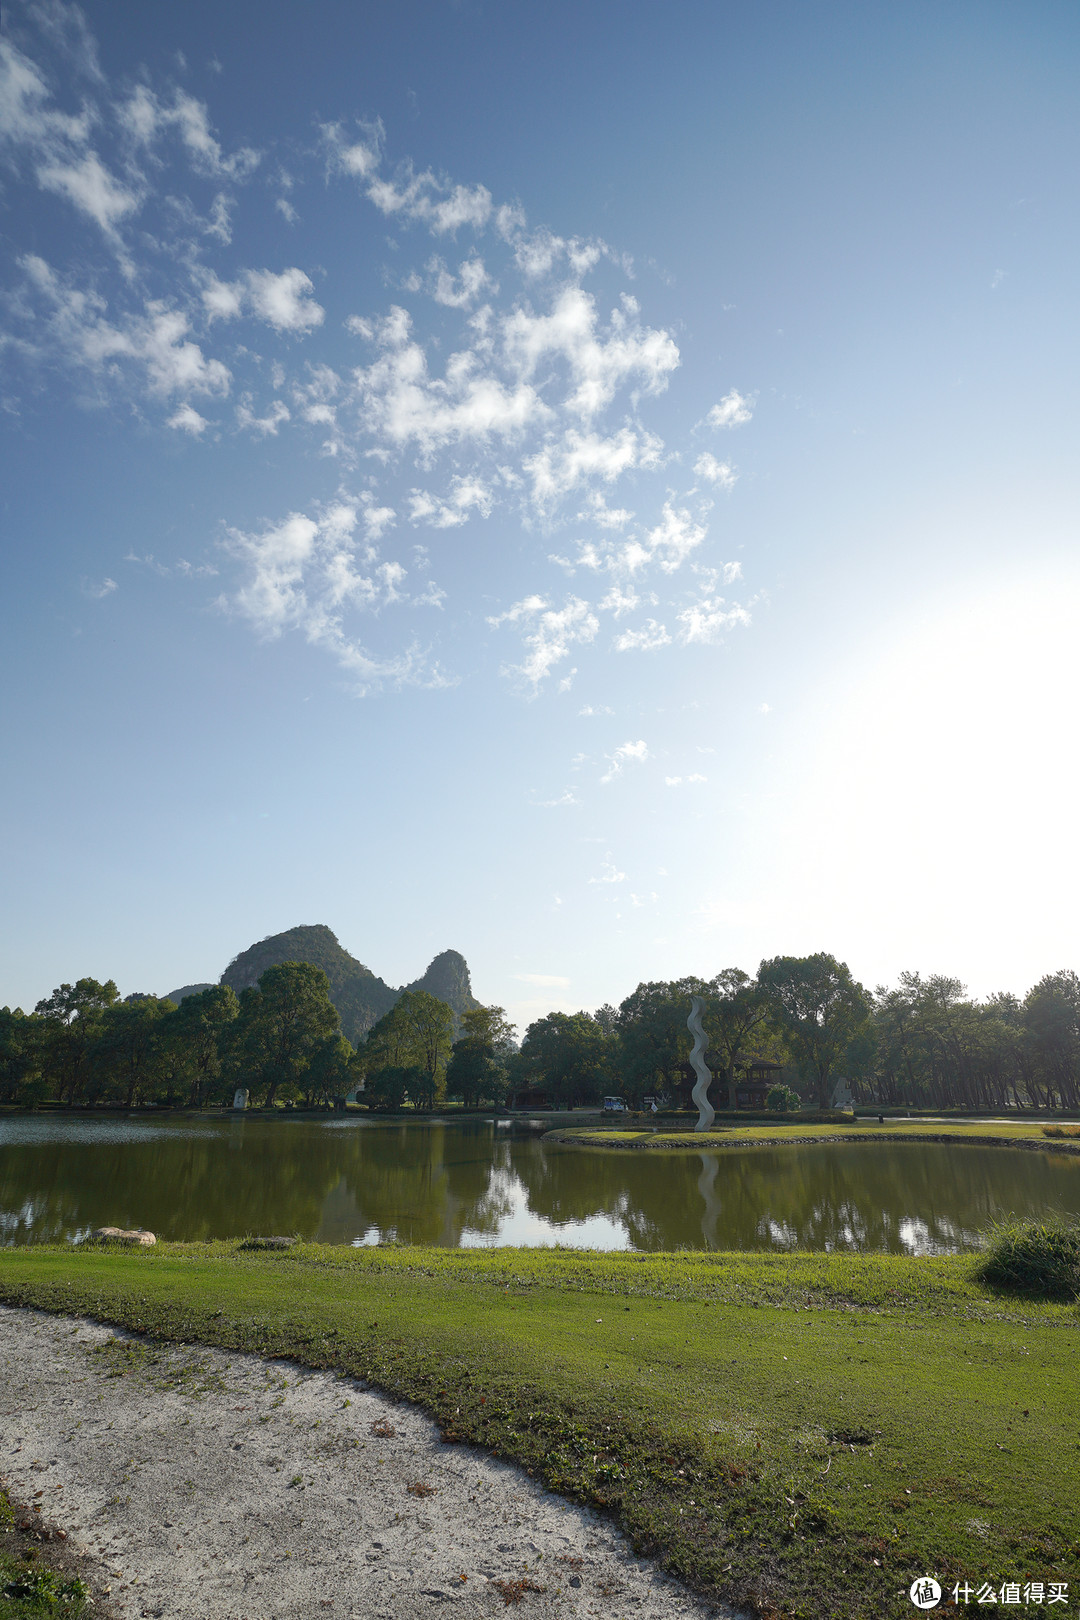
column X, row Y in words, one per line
column 577, row 457
column 188, row 420
column 674, row 537
column 286, row 210
column 265, row 426
column 627, row 753
column 609, row 873
column 599, row 362
column 732, row 411
column 667, row 545
column 155, row 340
column 604, row 516
column 567, row 797
column 443, row 207
column 619, row 601
column 302, row 574
column 99, row 590
column 538, row 252
column 402, row 404
column 548, row 633
column 283, row 300
column 546, row 981
column 146, row 118
column 708, row 619
column 651, row 636
column 720, row 473
column 472, row 280
column 376, row 519
column 466, row 496
column 280, row 300
column 90, row 187
column 594, row 709
column 495, row 385
column 672, row 781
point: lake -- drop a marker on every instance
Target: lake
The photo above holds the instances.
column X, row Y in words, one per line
column 477, row 1182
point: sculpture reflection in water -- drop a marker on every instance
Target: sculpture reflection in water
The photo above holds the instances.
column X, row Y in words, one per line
column 706, row 1183
column 700, row 1093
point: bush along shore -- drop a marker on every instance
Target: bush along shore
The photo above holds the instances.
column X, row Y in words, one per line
column 800, row 1434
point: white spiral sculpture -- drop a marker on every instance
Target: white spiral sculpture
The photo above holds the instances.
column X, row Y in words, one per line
column 706, row 1111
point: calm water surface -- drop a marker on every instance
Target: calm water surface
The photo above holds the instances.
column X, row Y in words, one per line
column 346, row 1181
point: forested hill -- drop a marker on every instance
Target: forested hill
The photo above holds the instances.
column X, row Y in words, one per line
column 359, row 995
column 448, row 978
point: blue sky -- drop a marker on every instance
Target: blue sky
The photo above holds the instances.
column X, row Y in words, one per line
column 594, row 486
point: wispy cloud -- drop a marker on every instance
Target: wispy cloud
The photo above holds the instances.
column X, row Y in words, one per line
column 732, row 411
column 627, row 753
column 97, row 589
column 609, row 873
column 720, row 473
column 511, row 374
column 548, row 634
column 649, row 638
column 305, row 573
column 566, row 797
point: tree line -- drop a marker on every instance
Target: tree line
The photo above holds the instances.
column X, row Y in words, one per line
column 922, row 1043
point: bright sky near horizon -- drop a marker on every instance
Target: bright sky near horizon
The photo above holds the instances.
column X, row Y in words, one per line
column 594, row 486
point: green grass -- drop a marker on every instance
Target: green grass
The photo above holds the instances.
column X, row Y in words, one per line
column 1024, row 1131
column 802, row 1433
column 29, row 1589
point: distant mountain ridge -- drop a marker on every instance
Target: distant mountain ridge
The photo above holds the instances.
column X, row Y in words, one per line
column 359, row 995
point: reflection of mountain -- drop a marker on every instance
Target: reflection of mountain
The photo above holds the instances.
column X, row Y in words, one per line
column 359, row 995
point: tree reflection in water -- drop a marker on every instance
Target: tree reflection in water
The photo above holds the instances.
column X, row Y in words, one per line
column 453, row 1183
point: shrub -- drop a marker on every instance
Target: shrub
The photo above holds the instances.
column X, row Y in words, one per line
column 1061, row 1130
column 1040, row 1258
column 782, row 1100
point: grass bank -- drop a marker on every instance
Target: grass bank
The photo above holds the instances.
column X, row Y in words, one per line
column 800, row 1433
column 1029, row 1134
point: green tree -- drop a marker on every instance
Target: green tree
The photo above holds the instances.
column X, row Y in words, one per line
column 278, row 1028
column 431, row 1026
column 199, row 1028
column 823, row 1010
column 570, row 1055
column 329, row 1077
column 127, row 1056
column 1051, row 1024
column 388, row 1087
column 737, row 1015
column 653, row 1049
column 416, row 1034
column 20, row 1076
column 478, row 1066
column 70, row 1023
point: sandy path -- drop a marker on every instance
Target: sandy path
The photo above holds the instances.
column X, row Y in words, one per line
column 210, row 1486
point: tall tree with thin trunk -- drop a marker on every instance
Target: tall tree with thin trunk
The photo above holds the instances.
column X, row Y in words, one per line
column 822, row 1009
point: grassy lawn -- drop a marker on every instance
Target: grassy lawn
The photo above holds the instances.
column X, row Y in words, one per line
column 1030, row 1131
column 801, row 1433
